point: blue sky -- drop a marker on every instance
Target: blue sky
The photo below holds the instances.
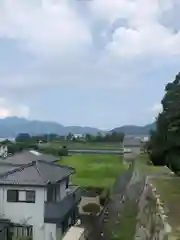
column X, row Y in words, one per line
column 101, row 63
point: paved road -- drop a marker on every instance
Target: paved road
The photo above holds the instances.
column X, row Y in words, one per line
column 96, row 151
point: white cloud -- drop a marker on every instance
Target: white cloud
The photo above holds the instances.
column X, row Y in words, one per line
column 47, row 27
column 62, row 39
column 145, row 35
column 8, row 108
column 55, row 27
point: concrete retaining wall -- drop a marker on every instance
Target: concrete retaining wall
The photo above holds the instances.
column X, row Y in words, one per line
column 151, row 220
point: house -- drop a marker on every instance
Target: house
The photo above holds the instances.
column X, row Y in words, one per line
column 132, row 144
column 78, row 137
column 3, row 151
column 36, row 199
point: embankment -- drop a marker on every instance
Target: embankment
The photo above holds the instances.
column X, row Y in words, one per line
column 152, row 222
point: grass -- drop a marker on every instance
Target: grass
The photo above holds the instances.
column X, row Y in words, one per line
column 86, row 145
column 147, row 169
column 127, row 226
column 97, row 170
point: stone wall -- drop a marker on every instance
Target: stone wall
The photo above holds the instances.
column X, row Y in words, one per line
column 151, row 220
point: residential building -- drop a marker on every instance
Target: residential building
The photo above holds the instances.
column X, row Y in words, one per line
column 36, row 199
column 78, row 137
column 132, row 144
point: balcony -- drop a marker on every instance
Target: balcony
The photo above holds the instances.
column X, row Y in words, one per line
column 56, row 212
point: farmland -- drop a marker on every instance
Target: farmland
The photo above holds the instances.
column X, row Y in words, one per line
column 95, row 170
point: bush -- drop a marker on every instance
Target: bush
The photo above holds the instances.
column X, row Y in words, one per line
column 18, row 147
column 22, row 137
column 63, row 152
column 91, row 208
column 158, row 158
column 173, row 161
column 55, row 151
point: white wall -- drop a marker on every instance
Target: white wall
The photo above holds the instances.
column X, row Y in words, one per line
column 18, row 211
column 49, row 231
column 58, row 233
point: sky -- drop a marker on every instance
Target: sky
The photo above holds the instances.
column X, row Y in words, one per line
column 99, row 63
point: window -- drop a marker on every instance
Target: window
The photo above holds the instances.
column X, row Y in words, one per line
column 21, row 196
column 67, row 183
column 12, row 195
column 30, row 196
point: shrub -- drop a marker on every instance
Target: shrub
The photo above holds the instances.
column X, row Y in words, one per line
column 91, row 208
column 173, row 161
column 55, row 151
column 158, row 158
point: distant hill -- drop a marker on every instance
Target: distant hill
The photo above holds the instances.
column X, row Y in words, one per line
column 135, row 130
column 12, row 126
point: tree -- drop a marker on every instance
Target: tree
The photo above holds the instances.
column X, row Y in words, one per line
column 88, row 137
column 23, row 137
column 70, row 136
column 165, row 141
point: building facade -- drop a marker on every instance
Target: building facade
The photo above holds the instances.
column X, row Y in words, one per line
column 36, row 200
column 132, row 145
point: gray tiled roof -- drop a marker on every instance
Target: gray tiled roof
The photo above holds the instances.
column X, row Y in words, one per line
column 53, row 171
column 132, row 142
column 28, row 157
column 35, row 173
column 5, row 167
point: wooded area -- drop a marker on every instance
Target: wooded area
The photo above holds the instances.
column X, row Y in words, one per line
column 164, row 144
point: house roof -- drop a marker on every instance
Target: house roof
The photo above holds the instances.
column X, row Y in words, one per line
column 25, row 157
column 132, row 142
column 36, row 173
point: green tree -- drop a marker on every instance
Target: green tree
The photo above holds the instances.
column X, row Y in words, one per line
column 165, row 141
column 23, row 137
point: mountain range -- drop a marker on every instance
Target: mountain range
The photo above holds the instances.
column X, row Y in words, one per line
column 12, row 126
column 135, row 130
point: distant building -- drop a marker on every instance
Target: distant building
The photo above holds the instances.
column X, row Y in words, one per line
column 78, row 136
column 145, row 139
column 132, row 144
